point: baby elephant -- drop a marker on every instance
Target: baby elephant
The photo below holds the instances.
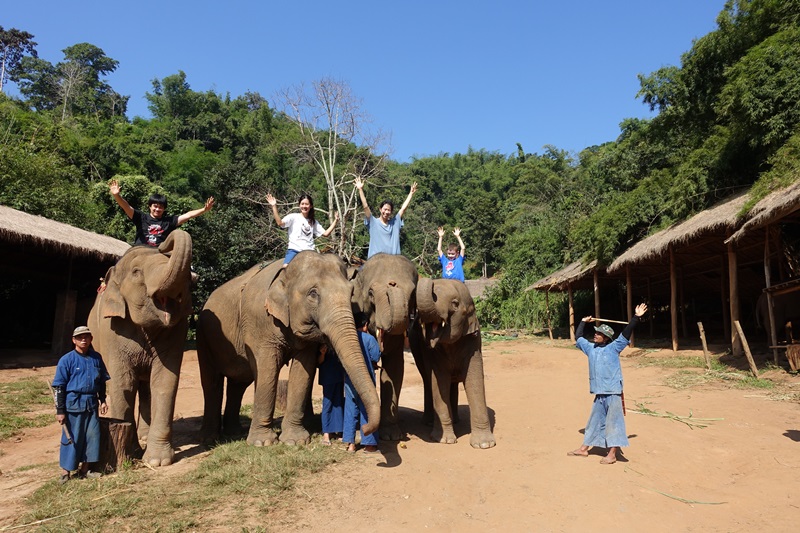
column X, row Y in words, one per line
column 446, row 342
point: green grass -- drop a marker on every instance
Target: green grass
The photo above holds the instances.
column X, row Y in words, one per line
column 19, row 403
column 235, row 485
column 687, row 376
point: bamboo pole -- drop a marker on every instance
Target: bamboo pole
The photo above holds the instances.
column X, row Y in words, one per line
column 733, row 286
column 596, row 281
column 673, row 298
column 547, row 308
column 746, row 347
column 629, row 299
column 571, row 313
column 723, row 282
column 705, row 345
column 770, row 301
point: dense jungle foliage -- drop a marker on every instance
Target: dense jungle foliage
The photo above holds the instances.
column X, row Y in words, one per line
column 728, row 117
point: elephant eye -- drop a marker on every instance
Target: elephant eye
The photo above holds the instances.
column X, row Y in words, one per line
column 313, row 294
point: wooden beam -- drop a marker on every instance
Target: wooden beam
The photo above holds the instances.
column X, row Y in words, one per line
column 723, row 291
column 673, row 298
column 571, row 313
column 768, row 283
column 629, row 299
column 733, row 287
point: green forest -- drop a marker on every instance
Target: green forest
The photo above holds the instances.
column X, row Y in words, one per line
column 727, row 118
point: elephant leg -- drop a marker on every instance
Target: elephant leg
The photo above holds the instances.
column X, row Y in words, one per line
column 454, row 402
column 122, row 389
column 419, row 351
column 440, row 388
column 480, row 427
column 233, row 406
column 391, row 382
column 266, row 370
column 143, row 426
column 164, row 376
column 301, row 376
column 213, row 383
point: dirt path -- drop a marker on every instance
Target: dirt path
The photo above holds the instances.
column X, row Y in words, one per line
column 741, row 473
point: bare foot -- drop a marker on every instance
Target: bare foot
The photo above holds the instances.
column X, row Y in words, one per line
column 580, row 452
column 351, row 448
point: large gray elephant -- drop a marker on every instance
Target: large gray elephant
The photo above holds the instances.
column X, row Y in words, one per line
column 254, row 324
column 785, row 309
column 139, row 321
column 446, row 342
column 384, row 290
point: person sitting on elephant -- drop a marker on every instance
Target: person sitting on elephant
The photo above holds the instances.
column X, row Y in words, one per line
column 302, row 227
column 453, row 262
column 354, row 411
column 154, row 227
column 606, row 425
column 79, row 390
column 384, row 232
column 331, row 377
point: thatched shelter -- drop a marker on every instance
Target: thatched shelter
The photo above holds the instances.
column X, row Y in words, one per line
column 50, row 273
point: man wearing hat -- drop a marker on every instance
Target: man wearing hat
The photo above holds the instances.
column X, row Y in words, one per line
column 79, row 390
column 606, row 425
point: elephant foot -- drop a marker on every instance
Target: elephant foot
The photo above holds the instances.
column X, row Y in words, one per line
column 482, row 440
column 261, row 437
column 390, row 432
column 158, row 455
column 295, row 436
column 445, row 436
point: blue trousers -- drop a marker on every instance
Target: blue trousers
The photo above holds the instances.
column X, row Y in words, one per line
column 333, row 407
column 85, row 446
column 606, row 425
column 354, row 414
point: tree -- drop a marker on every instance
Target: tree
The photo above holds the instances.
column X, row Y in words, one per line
column 14, row 44
column 334, row 136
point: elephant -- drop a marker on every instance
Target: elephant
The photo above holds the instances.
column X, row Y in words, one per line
column 257, row 322
column 785, row 309
column 139, row 321
column 446, row 343
column 383, row 289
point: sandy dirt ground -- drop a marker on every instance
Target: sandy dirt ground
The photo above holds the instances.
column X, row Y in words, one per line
column 740, row 473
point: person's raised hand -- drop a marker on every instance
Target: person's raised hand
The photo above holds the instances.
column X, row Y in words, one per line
column 457, row 232
column 587, row 319
column 358, row 183
column 271, row 200
column 113, row 187
column 440, row 231
column 641, row 309
column 209, row 203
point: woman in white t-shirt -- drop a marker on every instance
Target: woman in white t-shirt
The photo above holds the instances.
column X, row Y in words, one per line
column 302, row 226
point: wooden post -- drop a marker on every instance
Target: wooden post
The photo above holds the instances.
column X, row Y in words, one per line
column 723, row 290
column 733, row 286
column 547, row 310
column 596, row 293
column 705, row 345
column 650, row 304
column 746, row 347
column 682, row 304
column 673, row 298
column 117, row 444
column 571, row 313
column 629, row 299
column 768, row 284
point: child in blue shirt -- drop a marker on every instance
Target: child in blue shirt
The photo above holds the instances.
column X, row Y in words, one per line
column 354, row 411
column 453, row 261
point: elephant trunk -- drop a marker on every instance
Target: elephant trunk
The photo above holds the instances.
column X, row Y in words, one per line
column 425, row 303
column 391, row 310
column 341, row 332
column 179, row 246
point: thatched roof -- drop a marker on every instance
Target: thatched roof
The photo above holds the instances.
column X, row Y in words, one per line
column 722, row 216
column 560, row 279
column 17, row 227
column 775, row 206
column 477, row 287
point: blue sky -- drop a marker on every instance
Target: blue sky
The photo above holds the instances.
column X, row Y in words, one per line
column 440, row 76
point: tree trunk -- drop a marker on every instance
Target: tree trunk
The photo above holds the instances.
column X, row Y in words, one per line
column 116, row 443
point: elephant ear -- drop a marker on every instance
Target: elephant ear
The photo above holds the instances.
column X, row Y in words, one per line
column 277, row 304
column 112, row 303
column 473, row 326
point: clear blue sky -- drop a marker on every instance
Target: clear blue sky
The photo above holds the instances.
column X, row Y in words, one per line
column 441, row 76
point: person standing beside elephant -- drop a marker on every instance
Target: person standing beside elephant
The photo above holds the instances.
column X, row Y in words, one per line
column 384, row 232
column 154, row 227
column 79, row 391
column 331, row 377
column 354, row 411
column 453, row 262
column 302, row 227
column 606, row 425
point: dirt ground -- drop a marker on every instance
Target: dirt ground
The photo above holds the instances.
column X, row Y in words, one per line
column 740, row 473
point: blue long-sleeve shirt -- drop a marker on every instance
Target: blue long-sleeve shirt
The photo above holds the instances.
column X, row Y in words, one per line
column 83, row 378
column 605, row 372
